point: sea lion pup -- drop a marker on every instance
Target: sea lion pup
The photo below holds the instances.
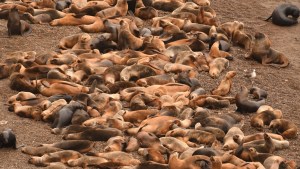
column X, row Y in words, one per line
column 174, row 144
column 39, row 151
column 64, row 116
column 233, row 138
column 284, row 127
column 167, row 5
column 152, row 154
column 115, row 144
column 83, row 42
column 156, row 80
column 86, row 161
column 197, row 161
column 73, row 20
column 258, row 93
column 95, row 27
column 120, row 9
column 62, row 4
column 79, row 117
column 126, row 39
column 262, row 52
column 259, row 120
column 225, row 85
column 136, row 72
column 280, row 15
column 81, row 146
column 119, row 157
column 8, row 139
column 244, row 105
column 215, row 52
column 15, row 26
column 60, row 156
column 96, row 134
column 258, row 157
column 216, row 66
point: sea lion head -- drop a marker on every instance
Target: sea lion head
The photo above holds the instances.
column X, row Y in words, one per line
column 259, row 36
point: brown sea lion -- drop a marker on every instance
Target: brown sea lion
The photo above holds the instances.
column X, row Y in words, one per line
column 73, row 20
column 284, row 127
column 95, row 27
column 39, row 151
column 167, row 5
column 60, row 156
column 174, row 144
column 197, row 161
column 83, row 42
column 262, row 52
column 152, row 154
column 225, row 85
column 259, row 136
column 216, row 66
column 244, row 105
column 115, row 144
column 126, row 39
column 119, row 157
column 16, row 26
column 94, row 134
column 136, row 72
column 49, row 114
column 242, row 39
column 259, row 120
column 231, row 27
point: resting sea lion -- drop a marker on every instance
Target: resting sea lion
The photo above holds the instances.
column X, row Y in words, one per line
column 259, row 120
column 225, row 85
column 244, row 105
column 284, row 127
column 96, row 134
column 16, row 26
column 258, row 93
column 262, row 52
column 280, row 15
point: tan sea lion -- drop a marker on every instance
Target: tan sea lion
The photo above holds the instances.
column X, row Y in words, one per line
column 216, row 66
column 86, row 161
column 259, row 120
column 73, row 20
column 198, row 161
column 60, row 156
column 120, row 9
column 95, row 27
column 126, row 39
column 233, row 138
column 225, row 85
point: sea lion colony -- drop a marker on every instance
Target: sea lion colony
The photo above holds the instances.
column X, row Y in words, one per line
column 137, row 88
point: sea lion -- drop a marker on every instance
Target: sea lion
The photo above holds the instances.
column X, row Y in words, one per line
column 167, row 5
column 33, row 112
column 225, row 85
column 83, row 42
column 152, row 154
column 73, row 20
column 96, row 134
column 259, row 136
column 244, row 105
column 242, row 39
column 174, row 144
column 284, row 127
column 60, row 156
column 86, row 161
column 258, row 93
column 8, row 139
column 64, row 116
column 281, row 15
column 197, row 161
column 115, row 144
column 95, row 27
column 136, row 72
column 40, row 150
column 216, row 66
column 259, row 120
column 79, row 117
column 262, row 52
column 126, row 39
column 233, row 138
column 120, row 9
column 119, row 157
column 104, row 43
column 62, row 4
column 49, row 114
column 16, row 26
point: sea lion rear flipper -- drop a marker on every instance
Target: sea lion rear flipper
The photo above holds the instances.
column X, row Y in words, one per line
column 269, row 18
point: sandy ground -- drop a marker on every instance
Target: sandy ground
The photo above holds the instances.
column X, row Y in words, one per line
column 283, row 85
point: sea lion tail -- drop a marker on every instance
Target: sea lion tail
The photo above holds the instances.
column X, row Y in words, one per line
column 268, row 18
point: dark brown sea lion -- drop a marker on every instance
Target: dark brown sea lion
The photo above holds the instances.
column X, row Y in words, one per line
column 281, row 15
column 96, row 134
column 244, row 105
column 258, row 93
column 262, row 52
column 16, row 26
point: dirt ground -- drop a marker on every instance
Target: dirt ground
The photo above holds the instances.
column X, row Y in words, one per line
column 283, row 85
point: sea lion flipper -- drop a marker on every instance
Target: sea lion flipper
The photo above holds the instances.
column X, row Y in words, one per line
column 268, row 18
